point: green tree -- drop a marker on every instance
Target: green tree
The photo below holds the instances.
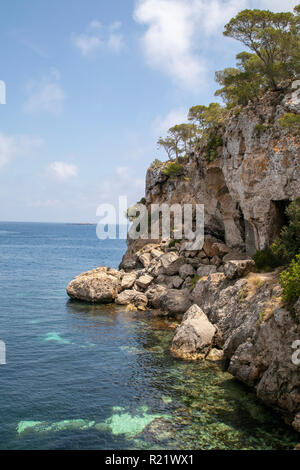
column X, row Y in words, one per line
column 273, row 38
column 179, row 140
column 288, row 244
column 241, row 84
column 170, row 146
column 206, row 117
column 290, row 282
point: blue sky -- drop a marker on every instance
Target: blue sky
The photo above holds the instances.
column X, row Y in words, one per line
column 91, row 85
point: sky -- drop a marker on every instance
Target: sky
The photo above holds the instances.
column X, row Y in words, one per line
column 90, row 87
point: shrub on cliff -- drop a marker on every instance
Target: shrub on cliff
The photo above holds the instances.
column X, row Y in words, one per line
column 213, row 146
column 287, row 246
column 290, row 121
column 266, row 260
column 290, row 282
column 173, row 169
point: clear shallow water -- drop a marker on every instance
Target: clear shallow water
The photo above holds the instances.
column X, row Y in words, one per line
column 96, row 377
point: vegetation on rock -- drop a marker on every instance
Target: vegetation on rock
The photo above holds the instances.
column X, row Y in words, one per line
column 173, row 169
column 266, row 260
column 290, row 121
column 271, row 62
column 290, row 282
column 274, row 42
column 287, row 246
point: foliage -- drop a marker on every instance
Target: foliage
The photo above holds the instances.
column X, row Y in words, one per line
column 206, row 117
column 274, row 42
column 214, row 143
column 156, row 164
column 273, row 38
column 178, row 140
column 194, row 281
column 173, row 243
column 290, row 282
column 287, row 246
column 173, row 169
column 260, row 129
column 241, row 84
column 266, row 260
column 290, row 121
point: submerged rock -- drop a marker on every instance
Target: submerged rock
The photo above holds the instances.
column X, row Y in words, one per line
column 194, row 337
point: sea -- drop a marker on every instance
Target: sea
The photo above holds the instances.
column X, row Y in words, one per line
column 81, row 376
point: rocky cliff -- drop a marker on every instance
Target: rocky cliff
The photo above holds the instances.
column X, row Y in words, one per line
column 246, row 190
column 226, row 310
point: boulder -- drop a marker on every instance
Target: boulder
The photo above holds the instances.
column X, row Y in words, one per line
column 155, row 268
column 128, row 280
column 144, row 281
column 171, row 263
column 186, row 270
column 100, row 285
column 216, row 260
column 174, row 301
column 206, row 270
column 156, row 253
column 238, row 268
column 215, row 355
column 128, row 297
column 145, row 259
column 208, row 249
column 194, row 337
column 154, row 295
column 219, row 249
column 167, row 260
column 235, row 255
column 177, row 281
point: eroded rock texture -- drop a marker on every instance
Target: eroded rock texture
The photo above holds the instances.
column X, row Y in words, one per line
column 246, row 190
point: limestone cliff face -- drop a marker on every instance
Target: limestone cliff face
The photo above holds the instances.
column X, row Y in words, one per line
column 246, row 190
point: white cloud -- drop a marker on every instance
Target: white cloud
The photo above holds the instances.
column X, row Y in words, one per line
column 62, row 171
column 275, row 5
column 17, row 146
column 172, row 41
column 163, row 123
column 99, row 37
column 45, row 95
column 87, row 44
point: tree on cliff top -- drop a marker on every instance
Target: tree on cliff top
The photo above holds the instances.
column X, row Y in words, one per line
column 178, row 140
column 274, row 42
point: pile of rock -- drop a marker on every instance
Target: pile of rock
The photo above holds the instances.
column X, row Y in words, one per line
column 163, row 277
column 225, row 310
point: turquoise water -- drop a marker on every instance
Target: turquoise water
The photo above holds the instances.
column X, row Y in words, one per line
column 96, row 377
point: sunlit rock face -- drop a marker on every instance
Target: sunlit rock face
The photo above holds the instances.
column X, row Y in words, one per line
column 246, row 190
column 100, row 285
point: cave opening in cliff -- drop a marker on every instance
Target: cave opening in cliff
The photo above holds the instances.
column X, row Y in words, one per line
column 278, row 217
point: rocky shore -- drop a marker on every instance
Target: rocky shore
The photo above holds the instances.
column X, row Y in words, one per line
column 226, row 310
